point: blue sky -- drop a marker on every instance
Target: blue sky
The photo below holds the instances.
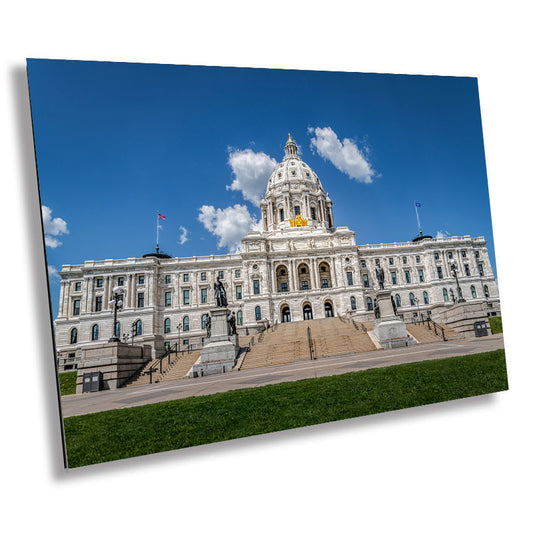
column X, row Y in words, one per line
column 117, row 142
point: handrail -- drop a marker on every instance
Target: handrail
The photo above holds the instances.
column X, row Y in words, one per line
column 431, row 324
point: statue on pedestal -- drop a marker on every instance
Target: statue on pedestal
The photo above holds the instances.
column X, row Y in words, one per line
column 220, row 294
column 380, row 275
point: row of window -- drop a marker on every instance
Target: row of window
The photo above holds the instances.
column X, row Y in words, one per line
column 417, row 258
column 95, row 331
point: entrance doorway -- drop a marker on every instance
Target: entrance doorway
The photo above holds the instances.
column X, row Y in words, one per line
column 328, row 309
column 308, row 312
column 285, row 314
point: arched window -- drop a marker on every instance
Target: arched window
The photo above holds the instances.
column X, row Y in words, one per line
column 239, row 318
column 473, row 291
column 117, row 329
column 204, row 321
column 398, row 300
column 167, row 325
column 352, row 301
column 285, row 313
column 139, row 327
column 445, row 295
column 73, row 336
column 486, row 291
column 328, row 309
column 258, row 312
column 426, row 297
column 411, row 298
column 369, row 305
column 94, row 333
column 185, row 323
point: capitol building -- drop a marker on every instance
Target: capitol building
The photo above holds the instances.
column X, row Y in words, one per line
column 299, row 266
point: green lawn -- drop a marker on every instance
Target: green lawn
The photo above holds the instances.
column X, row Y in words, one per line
column 135, row 431
column 67, row 382
column 496, row 324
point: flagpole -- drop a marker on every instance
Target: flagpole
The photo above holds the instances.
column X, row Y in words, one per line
column 157, row 234
column 418, row 220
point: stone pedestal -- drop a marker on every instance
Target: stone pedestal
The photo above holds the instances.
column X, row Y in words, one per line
column 116, row 361
column 220, row 349
column 390, row 329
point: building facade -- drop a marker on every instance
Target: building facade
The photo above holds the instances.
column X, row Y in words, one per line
column 298, row 267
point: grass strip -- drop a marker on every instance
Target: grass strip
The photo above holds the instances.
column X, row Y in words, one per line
column 123, row 433
column 67, row 382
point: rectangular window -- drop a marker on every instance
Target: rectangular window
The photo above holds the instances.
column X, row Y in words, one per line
column 77, row 286
column 439, row 272
column 377, row 262
column 186, row 297
column 203, row 276
column 76, row 307
column 363, row 263
column 186, row 342
column 418, row 259
column 238, row 292
column 407, row 276
column 98, row 303
column 296, row 210
column 256, row 287
column 463, row 253
column 186, row 278
column 313, row 213
column 467, row 270
column 237, row 273
column 221, row 274
column 167, row 279
column 283, row 287
column 140, row 299
column 391, row 260
column 450, row 255
column 480, row 268
column 140, row 280
column 421, row 275
column 349, row 277
column 120, row 281
column 436, row 256
column 99, row 282
column 404, row 259
column 281, row 215
column 324, row 283
column 204, row 296
column 393, row 277
column 477, row 255
column 365, row 280
column 305, row 286
column 168, row 299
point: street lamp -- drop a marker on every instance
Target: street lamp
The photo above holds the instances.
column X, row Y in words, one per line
column 179, row 332
column 417, row 301
column 453, row 268
column 116, row 302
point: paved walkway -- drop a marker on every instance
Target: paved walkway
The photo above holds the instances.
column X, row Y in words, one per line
column 80, row 404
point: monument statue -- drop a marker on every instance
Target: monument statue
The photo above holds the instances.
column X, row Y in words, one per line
column 220, row 294
column 208, row 325
column 380, row 275
column 232, row 324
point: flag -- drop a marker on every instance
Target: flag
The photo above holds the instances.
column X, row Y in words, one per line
column 162, row 217
column 417, row 204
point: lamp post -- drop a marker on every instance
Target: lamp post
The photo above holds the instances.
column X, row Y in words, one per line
column 417, row 301
column 179, row 332
column 117, row 302
column 453, row 268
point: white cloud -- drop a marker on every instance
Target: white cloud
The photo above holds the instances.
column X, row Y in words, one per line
column 183, row 236
column 229, row 224
column 345, row 156
column 441, row 234
column 53, row 273
column 251, row 171
column 53, row 227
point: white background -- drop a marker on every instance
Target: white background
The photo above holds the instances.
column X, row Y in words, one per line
column 460, row 466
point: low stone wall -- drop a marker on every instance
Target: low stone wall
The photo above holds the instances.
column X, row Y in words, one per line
column 116, row 361
column 461, row 317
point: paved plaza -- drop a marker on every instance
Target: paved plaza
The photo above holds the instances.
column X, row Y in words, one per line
column 81, row 404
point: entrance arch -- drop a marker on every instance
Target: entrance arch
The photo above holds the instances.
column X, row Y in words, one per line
column 308, row 311
column 285, row 313
column 328, row 309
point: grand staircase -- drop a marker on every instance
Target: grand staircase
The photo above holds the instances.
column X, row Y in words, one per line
column 290, row 342
column 422, row 333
